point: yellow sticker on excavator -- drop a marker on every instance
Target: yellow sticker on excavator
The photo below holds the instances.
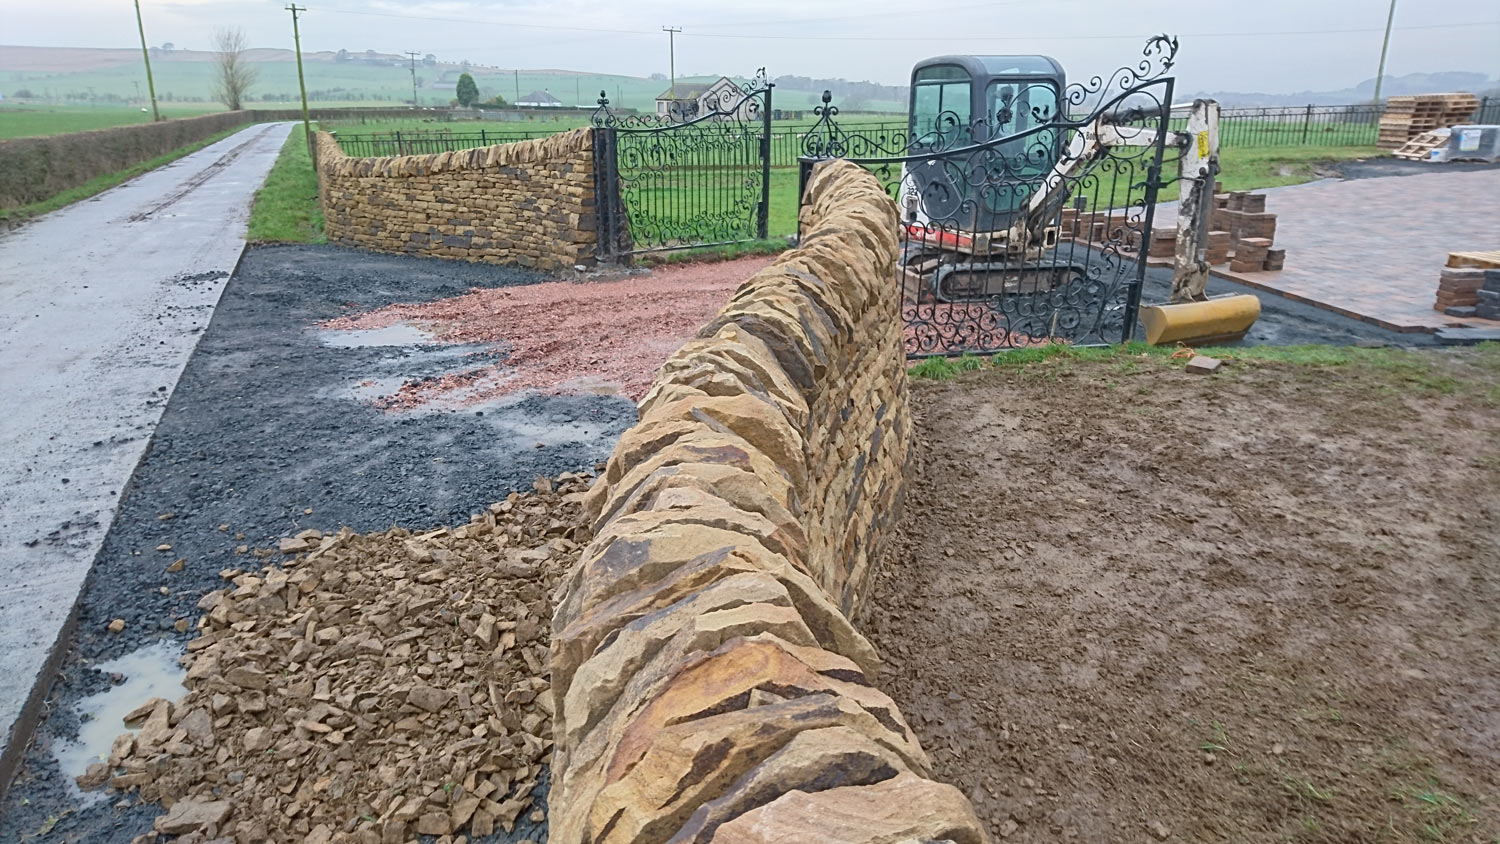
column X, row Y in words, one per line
column 1202, row 144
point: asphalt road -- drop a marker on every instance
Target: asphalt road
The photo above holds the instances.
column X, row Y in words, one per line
column 101, row 305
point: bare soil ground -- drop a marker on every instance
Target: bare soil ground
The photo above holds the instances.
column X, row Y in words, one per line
column 1131, row 603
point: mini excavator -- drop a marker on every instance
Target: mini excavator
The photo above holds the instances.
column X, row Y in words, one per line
column 968, row 237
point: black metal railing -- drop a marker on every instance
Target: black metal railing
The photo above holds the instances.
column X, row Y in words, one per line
column 1272, row 126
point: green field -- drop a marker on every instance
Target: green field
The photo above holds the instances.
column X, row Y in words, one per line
column 356, row 83
column 23, row 121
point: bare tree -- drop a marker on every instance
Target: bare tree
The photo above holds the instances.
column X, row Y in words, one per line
column 233, row 74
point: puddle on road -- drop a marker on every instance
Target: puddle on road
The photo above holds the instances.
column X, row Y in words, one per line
column 395, row 334
column 149, row 672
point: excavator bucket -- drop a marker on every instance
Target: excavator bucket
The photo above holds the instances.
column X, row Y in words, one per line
column 1218, row 320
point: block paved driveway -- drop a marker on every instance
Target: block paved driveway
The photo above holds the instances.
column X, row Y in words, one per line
column 1372, row 248
column 101, row 304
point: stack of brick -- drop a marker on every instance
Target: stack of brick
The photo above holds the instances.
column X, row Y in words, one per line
column 1488, row 304
column 1163, row 243
column 1217, row 249
column 529, row 203
column 1250, row 254
column 1458, row 290
column 708, row 683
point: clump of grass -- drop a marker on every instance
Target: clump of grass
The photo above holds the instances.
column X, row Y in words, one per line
column 286, row 208
column 726, row 252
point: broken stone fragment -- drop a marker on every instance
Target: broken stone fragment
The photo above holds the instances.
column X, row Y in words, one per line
column 903, row 808
column 94, row 776
column 428, row 698
column 117, row 625
column 247, row 677
column 192, row 815
column 257, row 739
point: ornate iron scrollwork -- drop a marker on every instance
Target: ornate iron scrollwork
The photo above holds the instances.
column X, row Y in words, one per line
column 985, row 267
column 694, row 176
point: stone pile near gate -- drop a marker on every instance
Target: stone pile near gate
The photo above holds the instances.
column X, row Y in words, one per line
column 529, row 203
column 708, row 683
column 370, row 689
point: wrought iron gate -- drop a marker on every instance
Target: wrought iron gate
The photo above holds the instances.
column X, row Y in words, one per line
column 697, row 175
column 1017, row 230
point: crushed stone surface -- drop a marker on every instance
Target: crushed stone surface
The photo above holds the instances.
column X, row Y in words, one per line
column 365, row 688
column 564, row 336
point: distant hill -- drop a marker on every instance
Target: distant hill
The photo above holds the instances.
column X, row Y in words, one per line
column 1394, row 86
column 74, row 75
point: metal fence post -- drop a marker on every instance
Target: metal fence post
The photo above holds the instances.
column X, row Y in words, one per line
column 1306, row 122
column 482, row 141
column 763, row 214
column 399, row 150
column 606, row 195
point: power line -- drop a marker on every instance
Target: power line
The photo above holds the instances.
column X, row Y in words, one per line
column 905, row 13
column 946, row 37
column 1127, row 37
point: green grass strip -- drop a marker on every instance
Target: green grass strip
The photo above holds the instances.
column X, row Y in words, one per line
column 1411, row 363
column 286, row 208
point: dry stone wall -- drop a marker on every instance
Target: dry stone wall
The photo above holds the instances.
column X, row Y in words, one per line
column 528, row 204
column 708, row 684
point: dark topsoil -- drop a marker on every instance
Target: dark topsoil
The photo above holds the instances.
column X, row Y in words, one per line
column 263, row 436
column 1131, row 603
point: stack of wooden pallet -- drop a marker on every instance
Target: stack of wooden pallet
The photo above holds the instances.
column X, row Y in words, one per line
column 1407, row 117
column 1420, row 147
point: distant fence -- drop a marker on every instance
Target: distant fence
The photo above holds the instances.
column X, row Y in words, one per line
column 1276, row 126
column 786, row 141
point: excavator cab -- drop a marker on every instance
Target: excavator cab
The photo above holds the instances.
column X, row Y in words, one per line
column 961, row 101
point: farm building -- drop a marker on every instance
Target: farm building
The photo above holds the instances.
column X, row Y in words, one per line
column 539, row 99
column 690, row 99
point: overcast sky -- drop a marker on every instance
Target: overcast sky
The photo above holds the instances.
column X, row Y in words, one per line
column 1247, row 45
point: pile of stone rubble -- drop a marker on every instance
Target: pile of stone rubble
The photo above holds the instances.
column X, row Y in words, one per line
column 371, row 688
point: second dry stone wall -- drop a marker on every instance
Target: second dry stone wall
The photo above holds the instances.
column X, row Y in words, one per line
column 708, row 684
column 528, row 204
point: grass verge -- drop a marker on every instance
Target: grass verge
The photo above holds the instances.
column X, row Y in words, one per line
column 286, row 208
column 1252, row 168
column 1417, row 368
column 727, row 252
column 10, row 217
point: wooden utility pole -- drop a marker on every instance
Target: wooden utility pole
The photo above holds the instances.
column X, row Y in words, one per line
column 518, row 86
column 1385, row 45
column 671, row 32
column 301, row 82
column 146, row 54
column 413, row 56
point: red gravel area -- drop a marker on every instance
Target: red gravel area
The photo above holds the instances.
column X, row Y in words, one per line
column 566, row 336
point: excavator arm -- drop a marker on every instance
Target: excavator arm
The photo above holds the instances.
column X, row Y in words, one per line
column 1198, row 165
